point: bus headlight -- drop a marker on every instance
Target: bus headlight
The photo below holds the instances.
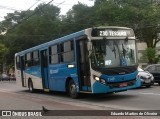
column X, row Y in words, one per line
column 99, row 79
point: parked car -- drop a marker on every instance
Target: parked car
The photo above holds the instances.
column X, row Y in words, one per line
column 147, row 78
column 4, row 77
column 154, row 69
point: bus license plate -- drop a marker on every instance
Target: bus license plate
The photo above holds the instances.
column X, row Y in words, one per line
column 147, row 81
column 122, row 84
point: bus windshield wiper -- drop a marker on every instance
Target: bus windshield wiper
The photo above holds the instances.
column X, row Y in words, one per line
column 124, row 51
column 114, row 50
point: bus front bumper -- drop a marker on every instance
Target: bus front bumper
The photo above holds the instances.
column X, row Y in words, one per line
column 101, row 88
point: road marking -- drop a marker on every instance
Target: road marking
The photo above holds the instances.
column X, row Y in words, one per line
column 3, row 90
column 150, row 93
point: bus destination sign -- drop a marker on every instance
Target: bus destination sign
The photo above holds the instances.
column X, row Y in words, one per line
column 112, row 33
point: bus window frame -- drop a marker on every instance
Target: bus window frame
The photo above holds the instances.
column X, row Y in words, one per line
column 51, row 55
column 35, row 61
column 61, row 51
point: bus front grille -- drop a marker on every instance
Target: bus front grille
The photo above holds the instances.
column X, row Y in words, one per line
column 121, row 84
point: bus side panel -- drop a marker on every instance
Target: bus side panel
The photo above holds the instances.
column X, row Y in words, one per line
column 18, row 77
column 34, row 73
column 46, row 81
column 58, row 75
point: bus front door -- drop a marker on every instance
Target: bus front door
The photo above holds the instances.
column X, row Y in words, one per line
column 22, row 71
column 44, row 69
column 83, row 64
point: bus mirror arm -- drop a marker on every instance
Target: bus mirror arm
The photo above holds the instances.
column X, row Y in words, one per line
column 89, row 46
column 89, row 55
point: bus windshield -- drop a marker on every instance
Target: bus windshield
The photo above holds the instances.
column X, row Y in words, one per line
column 113, row 53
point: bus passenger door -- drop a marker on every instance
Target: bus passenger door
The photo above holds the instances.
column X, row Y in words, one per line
column 83, row 64
column 22, row 71
column 44, row 68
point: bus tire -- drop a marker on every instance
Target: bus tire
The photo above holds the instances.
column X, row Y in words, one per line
column 72, row 90
column 30, row 86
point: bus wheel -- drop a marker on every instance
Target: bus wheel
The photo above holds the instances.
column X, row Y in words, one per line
column 72, row 90
column 30, row 86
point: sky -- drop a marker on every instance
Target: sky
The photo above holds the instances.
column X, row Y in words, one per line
column 9, row 6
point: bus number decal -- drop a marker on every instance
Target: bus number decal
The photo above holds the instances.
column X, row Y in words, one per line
column 53, row 71
column 103, row 33
column 111, row 79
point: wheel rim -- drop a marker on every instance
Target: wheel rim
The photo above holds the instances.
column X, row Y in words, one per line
column 72, row 90
column 30, row 87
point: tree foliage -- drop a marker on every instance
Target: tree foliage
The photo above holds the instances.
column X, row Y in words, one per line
column 3, row 52
column 79, row 17
column 142, row 15
column 151, row 55
column 29, row 28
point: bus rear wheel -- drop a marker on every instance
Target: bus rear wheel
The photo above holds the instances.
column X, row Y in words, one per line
column 72, row 90
column 30, row 86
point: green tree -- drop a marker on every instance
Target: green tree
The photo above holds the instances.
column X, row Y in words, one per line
column 29, row 28
column 151, row 55
column 142, row 15
column 3, row 51
column 79, row 17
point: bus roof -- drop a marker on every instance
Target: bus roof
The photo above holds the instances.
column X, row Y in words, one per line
column 65, row 38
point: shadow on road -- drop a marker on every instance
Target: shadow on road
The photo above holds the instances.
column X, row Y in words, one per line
column 88, row 97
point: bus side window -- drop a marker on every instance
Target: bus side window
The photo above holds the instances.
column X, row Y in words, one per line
column 68, row 54
column 35, row 58
column 26, row 64
column 28, row 59
column 18, row 62
column 53, row 54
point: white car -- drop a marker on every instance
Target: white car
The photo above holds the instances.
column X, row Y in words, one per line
column 4, row 77
column 147, row 78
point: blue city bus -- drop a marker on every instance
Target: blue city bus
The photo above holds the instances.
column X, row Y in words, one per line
column 96, row 60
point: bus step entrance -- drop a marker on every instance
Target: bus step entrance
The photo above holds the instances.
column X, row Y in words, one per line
column 46, row 90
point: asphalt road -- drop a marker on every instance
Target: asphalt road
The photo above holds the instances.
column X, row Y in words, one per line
column 136, row 99
column 13, row 97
